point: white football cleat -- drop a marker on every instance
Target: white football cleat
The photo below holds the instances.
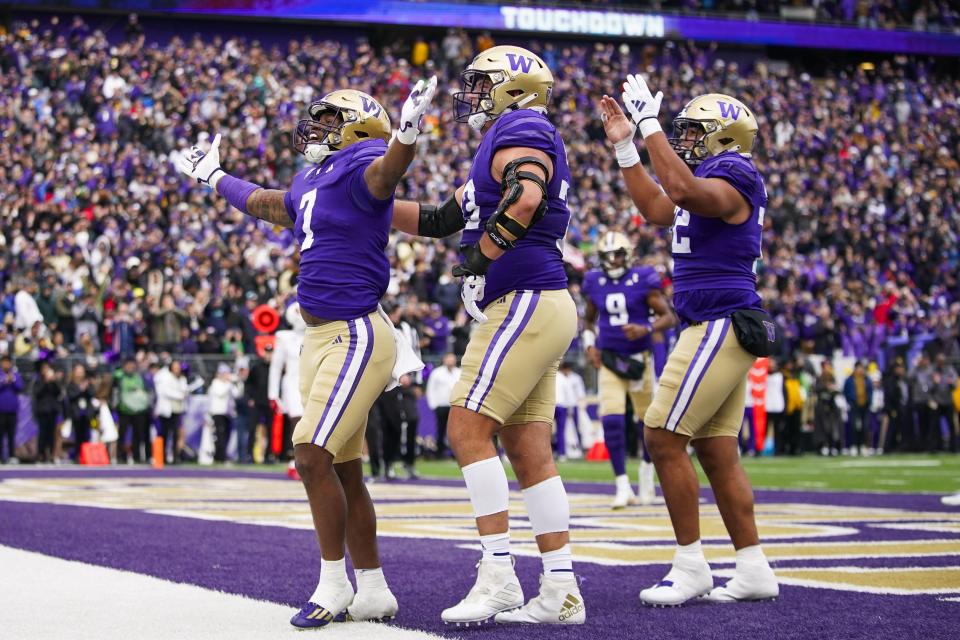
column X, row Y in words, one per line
column 373, row 605
column 646, row 489
column 685, row 581
column 496, row 589
column 951, row 501
column 757, row 583
column 623, row 499
column 559, row 602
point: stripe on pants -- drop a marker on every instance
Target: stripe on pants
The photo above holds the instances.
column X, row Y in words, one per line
column 361, row 342
column 508, row 333
column 709, row 347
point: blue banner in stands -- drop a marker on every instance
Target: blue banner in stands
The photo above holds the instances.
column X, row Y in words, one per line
column 558, row 21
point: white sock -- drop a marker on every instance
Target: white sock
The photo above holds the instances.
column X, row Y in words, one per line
column 558, row 564
column 623, row 484
column 370, row 579
column 750, row 558
column 333, row 576
column 496, row 548
column 689, row 554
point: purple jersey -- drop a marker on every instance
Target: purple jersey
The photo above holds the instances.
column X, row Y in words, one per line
column 620, row 302
column 713, row 262
column 342, row 231
column 537, row 260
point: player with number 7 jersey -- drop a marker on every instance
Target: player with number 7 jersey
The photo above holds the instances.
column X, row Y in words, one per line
column 340, row 208
column 712, row 195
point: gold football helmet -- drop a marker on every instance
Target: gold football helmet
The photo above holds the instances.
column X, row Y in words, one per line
column 339, row 119
column 615, row 253
column 711, row 124
column 501, row 79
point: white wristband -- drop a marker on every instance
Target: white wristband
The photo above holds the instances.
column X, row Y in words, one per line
column 589, row 338
column 649, row 126
column 408, row 136
column 627, row 154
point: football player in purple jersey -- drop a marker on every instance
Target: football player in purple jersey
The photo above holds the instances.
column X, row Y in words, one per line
column 621, row 298
column 514, row 215
column 340, row 209
column 713, row 197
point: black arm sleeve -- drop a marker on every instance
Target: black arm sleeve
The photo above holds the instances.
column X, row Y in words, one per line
column 442, row 221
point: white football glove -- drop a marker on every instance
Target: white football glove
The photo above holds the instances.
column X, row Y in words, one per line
column 204, row 167
column 644, row 107
column 413, row 109
column 472, row 293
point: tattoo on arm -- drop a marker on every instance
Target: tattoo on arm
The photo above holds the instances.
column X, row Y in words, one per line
column 268, row 205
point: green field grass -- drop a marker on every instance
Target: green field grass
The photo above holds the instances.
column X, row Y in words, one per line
column 892, row 473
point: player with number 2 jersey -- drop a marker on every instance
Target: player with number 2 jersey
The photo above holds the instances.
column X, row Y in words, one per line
column 713, row 197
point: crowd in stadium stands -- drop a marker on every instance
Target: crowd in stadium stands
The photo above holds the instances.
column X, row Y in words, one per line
column 108, row 257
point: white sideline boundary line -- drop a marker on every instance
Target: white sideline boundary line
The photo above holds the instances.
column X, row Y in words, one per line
column 54, row 599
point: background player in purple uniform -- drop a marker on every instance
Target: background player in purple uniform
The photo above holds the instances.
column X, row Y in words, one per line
column 514, row 215
column 620, row 298
column 340, row 208
column 714, row 198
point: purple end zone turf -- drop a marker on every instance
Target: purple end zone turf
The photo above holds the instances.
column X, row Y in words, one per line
column 280, row 564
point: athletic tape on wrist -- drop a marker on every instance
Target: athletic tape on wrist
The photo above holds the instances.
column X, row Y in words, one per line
column 627, row 154
column 649, row 126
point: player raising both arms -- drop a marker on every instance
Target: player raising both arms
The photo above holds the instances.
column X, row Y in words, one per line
column 714, row 199
column 340, row 208
column 620, row 298
column 514, row 211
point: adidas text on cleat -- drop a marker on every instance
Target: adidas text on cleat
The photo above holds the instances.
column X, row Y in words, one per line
column 559, row 602
column 496, row 589
column 684, row 582
column 373, row 606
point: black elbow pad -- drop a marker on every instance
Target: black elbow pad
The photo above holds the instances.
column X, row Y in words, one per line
column 502, row 228
column 442, row 221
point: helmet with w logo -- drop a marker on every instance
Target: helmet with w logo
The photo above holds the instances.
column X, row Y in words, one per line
column 502, row 79
column 337, row 120
column 712, row 124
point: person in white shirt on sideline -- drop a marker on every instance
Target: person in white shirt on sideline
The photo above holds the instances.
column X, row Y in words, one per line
column 439, row 387
column 283, row 387
column 172, row 391
column 570, row 391
column 224, row 389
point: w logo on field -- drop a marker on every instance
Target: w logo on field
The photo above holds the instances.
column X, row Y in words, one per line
column 522, row 63
column 728, row 110
column 370, row 106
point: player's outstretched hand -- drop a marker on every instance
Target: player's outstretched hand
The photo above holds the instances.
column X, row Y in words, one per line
column 644, row 107
column 202, row 166
column 472, row 292
column 616, row 125
column 413, row 109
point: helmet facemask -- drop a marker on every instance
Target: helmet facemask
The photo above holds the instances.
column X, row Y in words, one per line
column 473, row 102
column 689, row 139
column 614, row 262
column 322, row 134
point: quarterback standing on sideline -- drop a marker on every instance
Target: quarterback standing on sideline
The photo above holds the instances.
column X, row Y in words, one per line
column 620, row 298
column 514, row 214
column 340, row 208
column 714, row 198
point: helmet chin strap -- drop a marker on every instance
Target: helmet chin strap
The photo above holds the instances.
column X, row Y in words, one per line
column 317, row 153
column 477, row 120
